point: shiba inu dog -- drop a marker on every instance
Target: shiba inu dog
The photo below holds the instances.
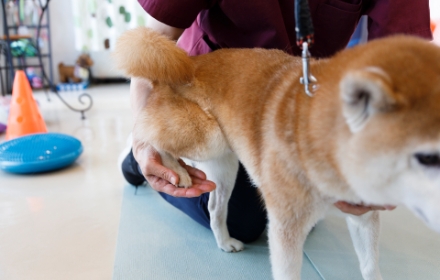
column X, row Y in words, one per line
column 370, row 134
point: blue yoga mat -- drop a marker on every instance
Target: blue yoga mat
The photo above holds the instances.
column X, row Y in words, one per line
column 156, row 241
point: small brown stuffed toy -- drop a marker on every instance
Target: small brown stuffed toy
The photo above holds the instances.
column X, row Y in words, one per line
column 77, row 73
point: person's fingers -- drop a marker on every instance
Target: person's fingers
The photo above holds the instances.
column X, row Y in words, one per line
column 204, row 186
column 161, row 185
column 382, row 208
column 348, row 208
column 199, row 187
column 193, row 172
column 193, row 191
column 158, row 170
column 390, row 207
column 374, row 207
column 198, row 181
column 358, row 209
column 156, row 183
column 187, row 192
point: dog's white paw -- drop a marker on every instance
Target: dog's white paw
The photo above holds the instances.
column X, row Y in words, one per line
column 231, row 245
column 184, row 178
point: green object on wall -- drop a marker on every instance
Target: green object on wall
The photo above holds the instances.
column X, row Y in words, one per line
column 96, row 21
column 92, row 6
column 77, row 22
column 127, row 17
column 140, row 21
column 109, row 22
column 21, row 10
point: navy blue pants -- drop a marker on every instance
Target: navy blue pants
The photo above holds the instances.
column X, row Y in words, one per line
column 247, row 217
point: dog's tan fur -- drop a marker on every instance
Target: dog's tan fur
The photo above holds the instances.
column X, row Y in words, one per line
column 374, row 101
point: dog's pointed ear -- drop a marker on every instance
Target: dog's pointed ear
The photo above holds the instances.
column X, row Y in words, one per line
column 365, row 93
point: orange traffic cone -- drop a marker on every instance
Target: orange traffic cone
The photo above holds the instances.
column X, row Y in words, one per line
column 24, row 115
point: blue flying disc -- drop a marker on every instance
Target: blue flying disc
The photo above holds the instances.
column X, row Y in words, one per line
column 37, row 153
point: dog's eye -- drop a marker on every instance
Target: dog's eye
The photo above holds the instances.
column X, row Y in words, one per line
column 430, row 160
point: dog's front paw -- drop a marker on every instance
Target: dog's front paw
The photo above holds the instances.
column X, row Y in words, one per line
column 231, row 245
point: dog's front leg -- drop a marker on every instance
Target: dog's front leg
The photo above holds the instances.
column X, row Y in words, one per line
column 364, row 231
column 286, row 246
column 290, row 221
column 223, row 171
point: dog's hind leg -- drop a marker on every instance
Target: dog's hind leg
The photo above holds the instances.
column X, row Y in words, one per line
column 223, row 172
column 364, row 231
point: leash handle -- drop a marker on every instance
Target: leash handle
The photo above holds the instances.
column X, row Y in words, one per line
column 303, row 23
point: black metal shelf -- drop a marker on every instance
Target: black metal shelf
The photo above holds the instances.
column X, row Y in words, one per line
column 9, row 66
column 28, row 26
column 30, row 57
column 20, row 66
column 10, row 63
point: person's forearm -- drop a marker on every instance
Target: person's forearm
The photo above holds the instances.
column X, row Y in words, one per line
column 139, row 87
column 172, row 32
column 139, row 90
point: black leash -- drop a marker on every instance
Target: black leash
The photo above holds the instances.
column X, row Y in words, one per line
column 304, row 39
column 304, row 25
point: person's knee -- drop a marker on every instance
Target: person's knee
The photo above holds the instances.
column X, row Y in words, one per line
column 248, row 231
column 129, row 172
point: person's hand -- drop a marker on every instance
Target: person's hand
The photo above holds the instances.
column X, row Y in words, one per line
column 165, row 180
column 360, row 209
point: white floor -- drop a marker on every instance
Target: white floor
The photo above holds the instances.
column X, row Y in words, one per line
column 64, row 225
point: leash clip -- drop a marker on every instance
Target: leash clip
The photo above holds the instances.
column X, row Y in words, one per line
column 307, row 78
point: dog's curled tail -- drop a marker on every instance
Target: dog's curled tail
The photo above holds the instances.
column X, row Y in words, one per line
column 142, row 52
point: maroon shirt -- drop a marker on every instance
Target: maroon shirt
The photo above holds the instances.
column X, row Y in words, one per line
column 214, row 24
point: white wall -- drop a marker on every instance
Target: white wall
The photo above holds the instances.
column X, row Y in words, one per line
column 62, row 31
column 434, row 6
column 63, row 42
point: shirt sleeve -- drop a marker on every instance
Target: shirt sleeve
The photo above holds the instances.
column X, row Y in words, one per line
column 175, row 13
column 398, row 17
